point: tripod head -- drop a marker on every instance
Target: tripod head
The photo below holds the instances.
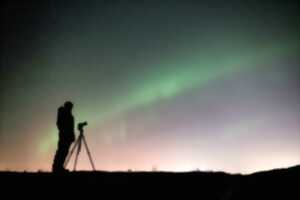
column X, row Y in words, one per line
column 81, row 125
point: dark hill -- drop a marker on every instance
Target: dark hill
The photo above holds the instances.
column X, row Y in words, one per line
column 274, row 184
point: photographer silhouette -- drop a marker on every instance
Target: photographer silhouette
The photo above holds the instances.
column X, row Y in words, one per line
column 65, row 125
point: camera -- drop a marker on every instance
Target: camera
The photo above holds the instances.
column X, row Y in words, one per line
column 81, row 125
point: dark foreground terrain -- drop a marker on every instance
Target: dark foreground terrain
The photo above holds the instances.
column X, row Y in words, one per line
column 274, row 184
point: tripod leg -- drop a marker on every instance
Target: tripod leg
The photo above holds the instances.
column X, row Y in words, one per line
column 71, row 153
column 77, row 153
column 88, row 152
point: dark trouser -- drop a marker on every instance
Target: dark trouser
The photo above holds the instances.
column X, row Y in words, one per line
column 61, row 154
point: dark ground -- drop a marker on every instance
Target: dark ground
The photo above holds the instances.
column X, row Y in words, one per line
column 274, row 184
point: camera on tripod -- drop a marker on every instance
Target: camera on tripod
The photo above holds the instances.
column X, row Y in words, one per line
column 81, row 125
column 77, row 146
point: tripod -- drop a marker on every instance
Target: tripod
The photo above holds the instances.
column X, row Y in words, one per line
column 77, row 145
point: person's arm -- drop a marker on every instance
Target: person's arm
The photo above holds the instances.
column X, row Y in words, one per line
column 73, row 129
column 73, row 125
column 59, row 120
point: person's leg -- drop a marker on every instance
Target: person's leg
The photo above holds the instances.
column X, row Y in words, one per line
column 58, row 156
column 65, row 151
column 54, row 164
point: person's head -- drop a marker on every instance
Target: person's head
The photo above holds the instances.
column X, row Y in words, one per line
column 68, row 106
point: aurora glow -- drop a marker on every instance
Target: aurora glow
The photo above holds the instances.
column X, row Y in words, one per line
column 161, row 86
column 175, row 85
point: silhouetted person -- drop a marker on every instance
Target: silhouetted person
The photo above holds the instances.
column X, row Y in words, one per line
column 65, row 125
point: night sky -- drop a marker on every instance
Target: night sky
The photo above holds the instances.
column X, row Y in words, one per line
column 171, row 85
